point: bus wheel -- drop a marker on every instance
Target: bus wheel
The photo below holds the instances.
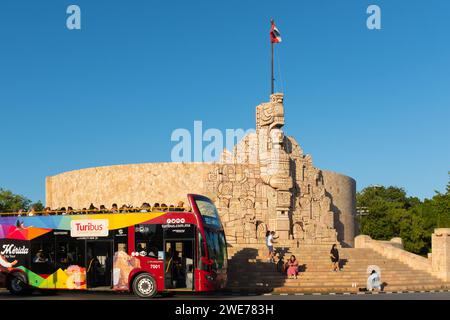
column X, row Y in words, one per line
column 17, row 284
column 144, row 286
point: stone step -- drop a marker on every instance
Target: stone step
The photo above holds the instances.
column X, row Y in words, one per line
column 318, row 260
column 315, row 264
column 325, row 278
column 304, row 279
column 323, row 268
column 333, row 289
column 250, row 269
column 335, row 285
column 327, row 283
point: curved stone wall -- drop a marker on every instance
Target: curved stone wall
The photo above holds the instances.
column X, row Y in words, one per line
column 126, row 184
column 169, row 183
column 342, row 190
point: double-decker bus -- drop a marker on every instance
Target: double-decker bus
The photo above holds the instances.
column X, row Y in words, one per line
column 146, row 253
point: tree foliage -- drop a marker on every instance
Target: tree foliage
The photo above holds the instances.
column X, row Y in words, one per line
column 10, row 202
column 391, row 213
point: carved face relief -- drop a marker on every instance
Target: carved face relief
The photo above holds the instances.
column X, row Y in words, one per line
column 271, row 114
column 277, row 136
column 277, row 98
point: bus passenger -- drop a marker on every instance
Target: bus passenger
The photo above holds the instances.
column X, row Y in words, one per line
column 145, row 207
column 164, row 207
column 114, row 208
column 47, row 211
column 180, row 206
column 153, row 252
column 31, row 212
column 40, row 257
column 92, row 208
column 156, row 207
column 93, row 271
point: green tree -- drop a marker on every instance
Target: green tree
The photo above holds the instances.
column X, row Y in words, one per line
column 387, row 208
column 441, row 207
column 38, row 206
column 10, row 202
column 393, row 214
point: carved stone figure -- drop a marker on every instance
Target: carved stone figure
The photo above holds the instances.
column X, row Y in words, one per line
column 280, row 191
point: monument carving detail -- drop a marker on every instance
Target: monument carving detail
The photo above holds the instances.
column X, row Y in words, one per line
column 280, row 190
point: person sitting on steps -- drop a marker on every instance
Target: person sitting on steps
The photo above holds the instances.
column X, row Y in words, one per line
column 292, row 271
column 373, row 282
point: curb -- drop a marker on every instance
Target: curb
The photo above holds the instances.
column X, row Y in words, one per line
column 330, row 293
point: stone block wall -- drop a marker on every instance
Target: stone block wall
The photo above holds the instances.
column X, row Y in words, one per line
column 440, row 257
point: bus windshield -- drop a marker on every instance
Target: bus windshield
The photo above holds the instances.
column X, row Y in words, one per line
column 217, row 248
column 209, row 213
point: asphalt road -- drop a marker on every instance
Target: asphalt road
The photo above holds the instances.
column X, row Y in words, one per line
column 68, row 295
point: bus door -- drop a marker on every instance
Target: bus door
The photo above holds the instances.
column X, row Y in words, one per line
column 99, row 260
column 179, row 264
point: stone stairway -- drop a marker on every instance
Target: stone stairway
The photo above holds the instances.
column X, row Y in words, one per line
column 250, row 271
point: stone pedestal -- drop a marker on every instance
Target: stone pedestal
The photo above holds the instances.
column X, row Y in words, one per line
column 440, row 242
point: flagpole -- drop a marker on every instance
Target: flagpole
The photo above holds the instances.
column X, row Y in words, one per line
column 272, row 78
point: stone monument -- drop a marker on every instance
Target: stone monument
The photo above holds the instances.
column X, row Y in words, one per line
column 265, row 183
column 282, row 191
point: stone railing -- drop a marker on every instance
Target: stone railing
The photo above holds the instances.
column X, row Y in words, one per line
column 394, row 250
column 437, row 263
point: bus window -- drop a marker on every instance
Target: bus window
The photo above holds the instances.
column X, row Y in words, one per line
column 209, row 213
column 216, row 248
column 202, row 253
column 223, row 249
column 42, row 261
column 69, row 253
column 201, row 244
column 149, row 240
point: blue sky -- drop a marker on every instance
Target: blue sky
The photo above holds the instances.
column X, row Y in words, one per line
column 374, row 105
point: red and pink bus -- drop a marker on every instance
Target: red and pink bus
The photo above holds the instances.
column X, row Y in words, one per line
column 146, row 253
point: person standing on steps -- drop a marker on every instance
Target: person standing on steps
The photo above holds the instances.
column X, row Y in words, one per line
column 270, row 236
column 334, row 255
column 270, row 242
column 269, row 246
